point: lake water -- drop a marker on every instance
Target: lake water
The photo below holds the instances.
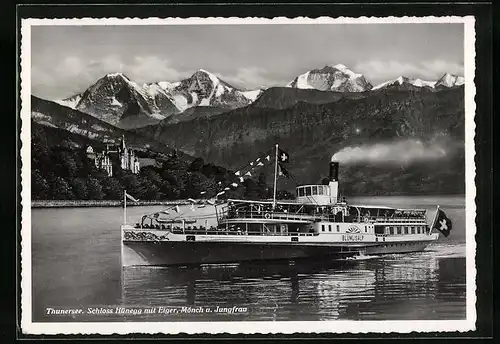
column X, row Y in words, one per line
column 76, row 264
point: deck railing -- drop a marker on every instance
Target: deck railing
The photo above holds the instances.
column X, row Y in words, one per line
column 275, row 216
column 237, row 232
column 313, row 217
column 399, row 219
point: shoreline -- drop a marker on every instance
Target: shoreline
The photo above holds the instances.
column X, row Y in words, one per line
column 119, row 203
column 99, row 203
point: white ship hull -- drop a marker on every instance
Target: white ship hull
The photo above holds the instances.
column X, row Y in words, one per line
column 165, row 248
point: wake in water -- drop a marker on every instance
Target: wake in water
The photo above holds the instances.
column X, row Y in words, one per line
column 362, row 256
column 442, row 250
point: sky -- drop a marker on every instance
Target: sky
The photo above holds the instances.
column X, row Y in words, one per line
column 66, row 60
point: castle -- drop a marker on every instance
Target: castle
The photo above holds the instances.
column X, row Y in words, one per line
column 123, row 156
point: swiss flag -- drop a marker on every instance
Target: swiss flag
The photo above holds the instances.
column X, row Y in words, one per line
column 442, row 223
column 283, row 156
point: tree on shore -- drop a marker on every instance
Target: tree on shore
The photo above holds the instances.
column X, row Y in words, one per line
column 64, row 172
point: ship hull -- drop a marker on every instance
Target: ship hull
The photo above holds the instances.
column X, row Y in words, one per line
column 161, row 253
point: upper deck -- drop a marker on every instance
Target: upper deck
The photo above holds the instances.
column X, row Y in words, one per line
column 296, row 212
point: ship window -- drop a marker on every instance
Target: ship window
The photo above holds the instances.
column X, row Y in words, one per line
column 322, row 228
column 301, row 192
column 308, row 191
column 398, row 229
column 314, row 190
column 412, row 230
column 320, row 190
column 391, row 231
column 406, row 230
column 366, row 230
column 329, row 228
column 338, row 228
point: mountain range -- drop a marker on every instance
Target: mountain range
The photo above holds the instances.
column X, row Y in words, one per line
column 312, row 117
column 336, row 78
column 117, row 100
column 312, row 132
column 124, row 103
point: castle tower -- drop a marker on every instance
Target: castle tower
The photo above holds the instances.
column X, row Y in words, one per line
column 124, row 162
column 137, row 166
column 92, row 156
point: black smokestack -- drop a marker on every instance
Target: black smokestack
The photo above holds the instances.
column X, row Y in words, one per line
column 334, row 171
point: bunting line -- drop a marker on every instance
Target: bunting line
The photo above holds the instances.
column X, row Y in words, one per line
column 239, row 172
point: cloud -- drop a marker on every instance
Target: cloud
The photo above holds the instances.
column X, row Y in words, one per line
column 73, row 74
column 152, row 68
column 108, row 64
column 386, row 70
column 59, row 79
column 440, row 67
column 250, row 78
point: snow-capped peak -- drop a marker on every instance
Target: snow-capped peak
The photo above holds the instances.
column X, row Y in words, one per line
column 422, row 83
column 116, row 75
column 336, row 78
column 344, row 69
column 252, row 95
column 212, row 76
column 205, row 71
column 450, row 80
column 70, row 102
column 405, row 80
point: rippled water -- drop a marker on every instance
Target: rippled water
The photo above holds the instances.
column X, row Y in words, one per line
column 76, row 264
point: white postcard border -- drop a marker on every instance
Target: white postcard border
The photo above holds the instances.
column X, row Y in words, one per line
column 246, row 327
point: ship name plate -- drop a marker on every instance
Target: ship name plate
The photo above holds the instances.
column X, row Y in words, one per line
column 352, row 237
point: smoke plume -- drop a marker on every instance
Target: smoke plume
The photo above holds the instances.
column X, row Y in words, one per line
column 401, row 152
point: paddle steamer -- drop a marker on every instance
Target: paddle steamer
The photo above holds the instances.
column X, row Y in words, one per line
column 317, row 224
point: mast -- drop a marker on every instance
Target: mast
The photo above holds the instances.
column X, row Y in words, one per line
column 435, row 218
column 275, row 175
column 124, row 207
